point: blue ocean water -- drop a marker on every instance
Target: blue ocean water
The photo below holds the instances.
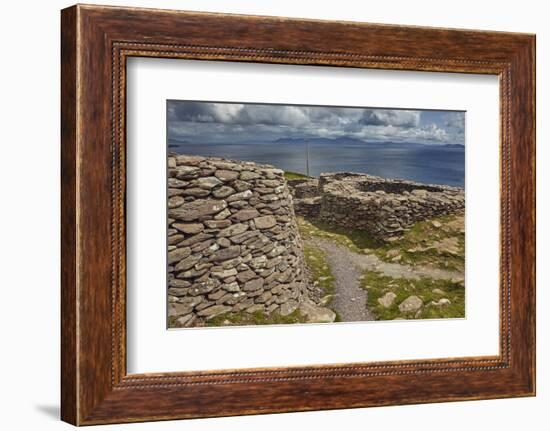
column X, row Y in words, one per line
column 433, row 164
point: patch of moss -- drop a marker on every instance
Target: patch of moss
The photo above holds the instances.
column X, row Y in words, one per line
column 172, row 321
column 427, row 289
column 257, row 318
column 295, row 176
column 355, row 240
column 417, row 245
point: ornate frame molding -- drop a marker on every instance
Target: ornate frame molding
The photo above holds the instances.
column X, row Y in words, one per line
column 96, row 41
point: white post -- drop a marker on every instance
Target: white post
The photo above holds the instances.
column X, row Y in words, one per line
column 307, row 158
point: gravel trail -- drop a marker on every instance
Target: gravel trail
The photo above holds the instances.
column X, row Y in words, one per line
column 350, row 299
column 347, row 267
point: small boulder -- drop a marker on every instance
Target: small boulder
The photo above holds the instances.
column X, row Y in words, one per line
column 387, row 300
column 288, row 307
column 392, row 253
column 315, row 314
column 442, row 302
column 412, row 303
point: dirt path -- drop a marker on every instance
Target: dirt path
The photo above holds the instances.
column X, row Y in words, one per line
column 350, row 299
column 347, row 267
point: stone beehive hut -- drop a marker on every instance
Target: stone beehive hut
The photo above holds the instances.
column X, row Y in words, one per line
column 233, row 242
column 383, row 207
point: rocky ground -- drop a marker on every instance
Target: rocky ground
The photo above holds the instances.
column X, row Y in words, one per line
column 420, row 275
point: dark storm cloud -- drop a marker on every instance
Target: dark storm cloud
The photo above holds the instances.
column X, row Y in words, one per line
column 236, row 122
column 239, row 114
column 390, row 117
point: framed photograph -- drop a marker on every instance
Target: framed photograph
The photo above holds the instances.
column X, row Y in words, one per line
column 264, row 214
column 275, row 214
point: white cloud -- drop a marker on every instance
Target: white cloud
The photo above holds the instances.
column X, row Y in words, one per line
column 235, row 122
column 455, row 120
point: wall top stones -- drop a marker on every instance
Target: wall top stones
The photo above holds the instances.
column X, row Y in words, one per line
column 363, row 185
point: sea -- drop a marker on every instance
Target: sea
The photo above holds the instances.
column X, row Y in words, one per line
column 431, row 164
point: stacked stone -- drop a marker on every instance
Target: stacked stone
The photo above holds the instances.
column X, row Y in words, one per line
column 233, row 242
column 304, row 188
column 307, row 201
column 383, row 207
column 308, row 207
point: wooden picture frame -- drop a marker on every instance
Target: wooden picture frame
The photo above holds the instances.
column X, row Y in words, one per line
column 95, row 42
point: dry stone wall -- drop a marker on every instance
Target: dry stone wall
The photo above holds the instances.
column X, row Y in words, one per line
column 233, row 242
column 383, row 207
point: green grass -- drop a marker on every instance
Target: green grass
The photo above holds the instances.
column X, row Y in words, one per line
column 414, row 247
column 355, row 240
column 319, row 270
column 295, row 176
column 378, row 285
column 257, row 318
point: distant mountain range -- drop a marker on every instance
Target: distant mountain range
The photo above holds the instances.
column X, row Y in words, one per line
column 175, row 142
column 347, row 140
column 344, row 140
column 331, row 141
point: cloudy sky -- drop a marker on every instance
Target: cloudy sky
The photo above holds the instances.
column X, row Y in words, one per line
column 208, row 122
